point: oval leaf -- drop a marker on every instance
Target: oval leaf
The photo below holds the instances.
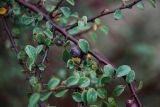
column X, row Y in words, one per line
column 122, row 70
column 108, row 70
column 118, row 15
column 61, row 93
column 77, row 96
column 84, row 45
column 91, row 95
column 73, row 80
column 102, row 93
column 53, row 83
column 130, row 77
column 118, row 90
column 33, row 99
column 84, row 82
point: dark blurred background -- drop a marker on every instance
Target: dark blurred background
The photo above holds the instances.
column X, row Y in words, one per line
column 134, row 40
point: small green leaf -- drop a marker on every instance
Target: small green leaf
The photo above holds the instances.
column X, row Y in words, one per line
column 48, row 33
column 53, row 83
column 105, row 79
column 102, row 93
column 39, row 49
column 27, row 20
column 104, row 29
column 42, row 67
column 112, row 102
column 45, row 96
column 122, row 70
column 66, row 56
column 130, row 77
column 30, row 63
column 84, row 96
column 50, row 8
column 77, row 96
column 66, row 11
column 73, row 80
column 118, row 15
column 84, row 82
column 37, row 30
column 91, row 95
column 118, row 90
column 140, row 5
column 70, row 64
column 152, row 2
column 84, row 45
column 31, row 51
column 81, row 24
column 37, row 87
column 21, row 55
column 108, row 70
column 84, row 19
column 61, row 93
column 48, row 25
column 33, row 99
column 93, row 36
column 72, row 2
column 98, row 21
column 140, row 85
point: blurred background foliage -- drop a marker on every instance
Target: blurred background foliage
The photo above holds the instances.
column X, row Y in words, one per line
column 134, row 41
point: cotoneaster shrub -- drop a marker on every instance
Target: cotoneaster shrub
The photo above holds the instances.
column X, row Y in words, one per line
column 54, row 24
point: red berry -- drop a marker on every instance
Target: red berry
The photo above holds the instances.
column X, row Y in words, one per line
column 75, row 51
column 131, row 103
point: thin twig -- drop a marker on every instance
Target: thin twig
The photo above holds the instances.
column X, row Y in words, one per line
column 10, row 36
column 104, row 13
column 58, row 4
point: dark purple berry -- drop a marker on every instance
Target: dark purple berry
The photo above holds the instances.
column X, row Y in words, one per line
column 75, row 51
column 131, row 103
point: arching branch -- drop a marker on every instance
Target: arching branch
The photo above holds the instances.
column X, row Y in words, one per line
column 104, row 13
